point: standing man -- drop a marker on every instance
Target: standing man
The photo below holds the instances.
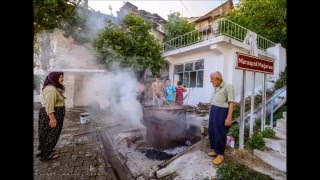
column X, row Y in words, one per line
column 222, row 103
column 157, row 91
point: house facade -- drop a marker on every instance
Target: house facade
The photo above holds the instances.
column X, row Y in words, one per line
column 193, row 56
column 214, row 15
column 157, row 21
column 77, row 61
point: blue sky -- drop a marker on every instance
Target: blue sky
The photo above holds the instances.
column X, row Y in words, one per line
column 188, row 8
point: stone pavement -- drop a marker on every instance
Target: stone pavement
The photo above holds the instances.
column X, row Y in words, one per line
column 81, row 154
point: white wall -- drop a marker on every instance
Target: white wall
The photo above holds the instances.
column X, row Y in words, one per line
column 67, row 54
column 237, row 74
column 282, row 59
column 222, row 57
column 280, row 62
column 69, row 83
column 212, row 62
column 80, row 90
column 234, row 76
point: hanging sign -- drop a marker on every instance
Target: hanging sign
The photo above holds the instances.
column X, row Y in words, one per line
column 253, row 63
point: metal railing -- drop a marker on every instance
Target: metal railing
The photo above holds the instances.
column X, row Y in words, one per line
column 269, row 107
column 188, row 39
column 272, row 101
column 221, row 27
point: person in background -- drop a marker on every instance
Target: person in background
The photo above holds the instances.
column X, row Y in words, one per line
column 220, row 118
column 51, row 114
column 179, row 93
column 157, row 91
column 141, row 91
column 169, row 93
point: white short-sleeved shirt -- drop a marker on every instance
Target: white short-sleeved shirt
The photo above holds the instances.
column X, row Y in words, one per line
column 222, row 95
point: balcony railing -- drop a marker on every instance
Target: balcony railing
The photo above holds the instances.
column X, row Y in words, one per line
column 221, row 27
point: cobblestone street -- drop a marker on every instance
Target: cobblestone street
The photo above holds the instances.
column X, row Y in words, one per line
column 81, row 154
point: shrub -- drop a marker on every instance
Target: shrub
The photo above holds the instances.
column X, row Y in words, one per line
column 278, row 114
column 246, row 133
column 234, row 132
column 230, row 171
column 257, row 125
column 267, row 133
column 282, row 81
column 235, row 171
column 256, row 141
column 236, row 113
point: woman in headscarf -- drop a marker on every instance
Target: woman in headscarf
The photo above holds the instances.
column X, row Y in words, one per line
column 51, row 114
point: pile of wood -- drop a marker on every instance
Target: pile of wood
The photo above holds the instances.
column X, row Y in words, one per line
column 133, row 136
column 201, row 108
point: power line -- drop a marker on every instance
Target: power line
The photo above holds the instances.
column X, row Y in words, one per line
column 186, row 8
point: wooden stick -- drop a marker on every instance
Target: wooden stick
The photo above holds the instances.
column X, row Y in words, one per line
column 175, row 157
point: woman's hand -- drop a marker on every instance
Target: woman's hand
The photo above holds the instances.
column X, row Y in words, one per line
column 53, row 121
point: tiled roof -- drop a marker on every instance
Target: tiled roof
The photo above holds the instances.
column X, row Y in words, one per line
column 218, row 11
column 153, row 16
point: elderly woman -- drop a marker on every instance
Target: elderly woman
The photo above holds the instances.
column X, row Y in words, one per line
column 51, row 114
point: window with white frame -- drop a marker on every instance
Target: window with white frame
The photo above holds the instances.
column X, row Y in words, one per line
column 191, row 73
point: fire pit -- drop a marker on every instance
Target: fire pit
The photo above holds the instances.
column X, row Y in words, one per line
column 166, row 126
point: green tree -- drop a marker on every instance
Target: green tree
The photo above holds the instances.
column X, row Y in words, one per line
column 131, row 45
column 267, row 18
column 67, row 15
column 76, row 25
column 177, row 26
column 47, row 14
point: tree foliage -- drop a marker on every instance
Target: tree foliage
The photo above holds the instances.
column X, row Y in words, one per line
column 64, row 14
column 131, row 45
column 76, row 25
column 267, row 18
column 49, row 13
column 177, row 26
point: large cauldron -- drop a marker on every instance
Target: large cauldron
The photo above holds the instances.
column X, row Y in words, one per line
column 166, row 126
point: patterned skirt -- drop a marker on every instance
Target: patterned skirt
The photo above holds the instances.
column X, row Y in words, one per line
column 48, row 136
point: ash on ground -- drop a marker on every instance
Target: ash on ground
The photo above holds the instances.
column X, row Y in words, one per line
column 129, row 142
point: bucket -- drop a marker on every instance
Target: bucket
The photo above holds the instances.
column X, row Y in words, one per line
column 84, row 118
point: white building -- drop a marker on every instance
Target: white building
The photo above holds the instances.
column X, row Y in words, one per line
column 193, row 56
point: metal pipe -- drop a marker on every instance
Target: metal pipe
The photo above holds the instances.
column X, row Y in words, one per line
column 252, row 106
column 263, row 113
column 271, row 113
column 242, row 111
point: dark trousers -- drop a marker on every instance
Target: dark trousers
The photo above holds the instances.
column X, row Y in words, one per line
column 48, row 136
column 217, row 130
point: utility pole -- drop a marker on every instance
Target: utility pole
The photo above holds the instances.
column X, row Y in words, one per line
column 110, row 8
column 86, row 3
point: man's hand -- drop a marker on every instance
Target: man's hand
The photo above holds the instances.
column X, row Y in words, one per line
column 228, row 122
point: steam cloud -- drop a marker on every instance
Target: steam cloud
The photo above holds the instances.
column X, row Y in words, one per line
column 116, row 92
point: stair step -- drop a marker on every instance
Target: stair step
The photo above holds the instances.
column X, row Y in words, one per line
column 273, row 158
column 280, row 133
column 282, row 123
column 278, row 145
column 284, row 114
